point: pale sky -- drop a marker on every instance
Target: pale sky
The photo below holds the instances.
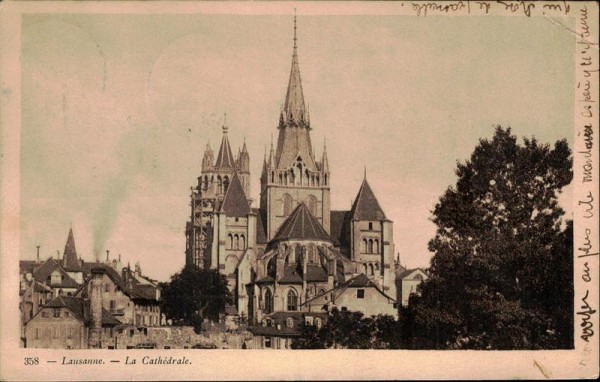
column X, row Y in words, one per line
column 117, row 110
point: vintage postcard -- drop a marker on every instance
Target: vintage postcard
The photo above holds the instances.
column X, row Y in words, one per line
column 299, row 190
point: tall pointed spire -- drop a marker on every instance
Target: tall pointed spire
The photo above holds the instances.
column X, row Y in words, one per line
column 70, row 253
column 324, row 160
column 225, row 157
column 293, row 109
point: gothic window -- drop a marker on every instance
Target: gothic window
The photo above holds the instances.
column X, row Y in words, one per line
column 287, row 205
column 242, row 242
column 312, row 205
column 230, row 236
column 225, row 183
column 325, row 180
column 365, row 247
column 272, row 267
column 280, row 179
column 292, row 300
column 268, row 301
column 376, row 246
column 237, row 241
column 272, row 176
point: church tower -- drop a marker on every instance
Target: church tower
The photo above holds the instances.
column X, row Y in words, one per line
column 208, row 196
column 291, row 174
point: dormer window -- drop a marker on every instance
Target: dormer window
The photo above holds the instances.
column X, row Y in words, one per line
column 56, row 278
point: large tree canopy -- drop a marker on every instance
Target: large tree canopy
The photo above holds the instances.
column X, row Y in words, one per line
column 195, row 294
column 350, row 330
column 501, row 276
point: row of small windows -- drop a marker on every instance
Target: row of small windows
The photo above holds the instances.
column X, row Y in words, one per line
column 236, row 241
column 294, row 177
column 370, row 245
column 287, row 204
column 371, row 269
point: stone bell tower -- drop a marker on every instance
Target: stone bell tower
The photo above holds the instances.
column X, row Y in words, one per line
column 292, row 174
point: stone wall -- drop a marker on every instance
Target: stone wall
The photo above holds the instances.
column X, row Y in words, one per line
column 177, row 337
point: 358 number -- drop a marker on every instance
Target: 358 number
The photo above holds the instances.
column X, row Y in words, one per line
column 31, row 361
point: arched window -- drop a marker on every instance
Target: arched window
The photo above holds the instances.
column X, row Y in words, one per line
column 287, row 205
column 272, row 267
column 237, row 241
column 312, row 205
column 230, row 236
column 370, row 249
column 280, row 178
column 377, row 267
column 219, row 184
column 242, row 241
column 225, row 183
column 365, row 247
column 292, row 300
column 371, row 273
column 272, row 176
column 268, row 301
column 205, row 182
column 365, row 266
column 325, row 180
column 376, row 246
column 291, row 258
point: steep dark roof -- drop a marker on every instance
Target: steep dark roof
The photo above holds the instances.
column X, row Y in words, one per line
column 366, row 206
column 27, row 266
column 81, row 309
column 301, row 224
column 225, row 157
column 290, row 275
column 70, row 261
column 43, row 272
column 261, row 224
column 235, row 203
column 280, row 318
column 336, row 230
column 315, row 272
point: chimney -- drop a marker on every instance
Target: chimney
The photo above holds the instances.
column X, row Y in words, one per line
column 38, row 254
column 95, row 333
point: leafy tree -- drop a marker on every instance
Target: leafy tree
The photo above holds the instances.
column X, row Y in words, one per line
column 195, row 294
column 501, row 275
column 350, row 330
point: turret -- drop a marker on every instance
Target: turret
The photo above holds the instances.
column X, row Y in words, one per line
column 208, row 160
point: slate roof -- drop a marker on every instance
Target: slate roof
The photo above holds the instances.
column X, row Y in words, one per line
column 70, row 261
column 81, row 309
column 235, row 203
column 366, row 206
column 44, row 271
column 291, row 275
column 315, row 272
column 26, row 266
column 261, row 224
column 360, row 281
column 301, row 224
column 225, row 157
column 337, row 221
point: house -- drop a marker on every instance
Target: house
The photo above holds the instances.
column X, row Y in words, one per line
column 278, row 330
column 359, row 294
column 407, row 282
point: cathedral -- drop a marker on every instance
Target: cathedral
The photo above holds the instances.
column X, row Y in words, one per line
column 291, row 253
